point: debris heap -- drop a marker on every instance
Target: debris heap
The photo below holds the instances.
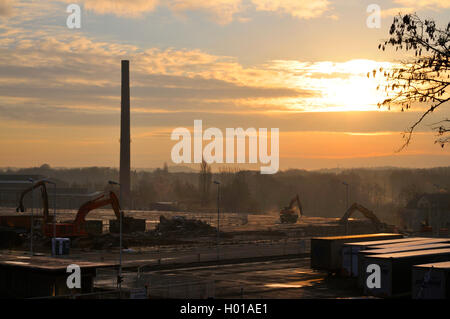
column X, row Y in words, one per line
column 182, row 225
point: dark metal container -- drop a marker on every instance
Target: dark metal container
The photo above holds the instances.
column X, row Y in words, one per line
column 326, row 251
column 431, row 281
column 396, row 270
column 362, row 264
column 350, row 252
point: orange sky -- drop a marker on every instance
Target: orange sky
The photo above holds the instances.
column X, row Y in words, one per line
column 297, row 66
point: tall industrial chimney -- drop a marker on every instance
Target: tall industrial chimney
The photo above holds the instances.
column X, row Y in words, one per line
column 125, row 137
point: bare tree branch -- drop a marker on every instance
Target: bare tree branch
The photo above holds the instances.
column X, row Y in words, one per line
column 424, row 79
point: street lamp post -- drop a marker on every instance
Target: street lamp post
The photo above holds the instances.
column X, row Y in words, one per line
column 119, row 278
column 32, row 211
column 346, row 206
column 54, row 207
column 218, row 216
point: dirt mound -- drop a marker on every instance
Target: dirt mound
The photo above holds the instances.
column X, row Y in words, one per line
column 183, row 226
column 11, row 238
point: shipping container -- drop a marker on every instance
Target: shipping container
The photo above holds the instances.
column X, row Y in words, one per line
column 431, row 281
column 370, row 252
column 425, row 241
column 350, row 252
column 326, row 251
column 396, row 270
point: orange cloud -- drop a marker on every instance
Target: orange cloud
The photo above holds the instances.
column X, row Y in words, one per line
column 428, row 4
column 395, row 11
column 222, row 11
column 299, row 9
column 121, row 8
column 6, row 7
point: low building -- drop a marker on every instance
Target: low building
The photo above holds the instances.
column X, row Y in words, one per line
column 12, row 185
column 430, row 210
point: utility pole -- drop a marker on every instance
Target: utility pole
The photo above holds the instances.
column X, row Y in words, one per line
column 119, row 277
column 54, row 213
column 54, row 205
column 346, row 206
column 218, row 216
column 32, row 210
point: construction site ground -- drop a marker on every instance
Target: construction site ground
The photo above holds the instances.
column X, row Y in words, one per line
column 257, row 256
column 289, row 278
column 235, row 228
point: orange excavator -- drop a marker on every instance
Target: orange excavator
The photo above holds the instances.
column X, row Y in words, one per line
column 367, row 213
column 288, row 215
column 75, row 228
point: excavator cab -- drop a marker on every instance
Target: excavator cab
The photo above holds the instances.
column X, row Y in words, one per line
column 288, row 215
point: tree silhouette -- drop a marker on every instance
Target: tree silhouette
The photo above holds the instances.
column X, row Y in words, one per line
column 205, row 180
column 422, row 79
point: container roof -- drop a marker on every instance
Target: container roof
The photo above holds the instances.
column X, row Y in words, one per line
column 405, row 248
column 440, row 265
column 418, row 242
column 47, row 263
column 362, row 236
column 385, row 241
column 415, row 253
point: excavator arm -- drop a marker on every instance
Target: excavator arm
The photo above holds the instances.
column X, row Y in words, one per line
column 42, row 185
column 296, row 199
column 366, row 212
column 288, row 214
column 98, row 202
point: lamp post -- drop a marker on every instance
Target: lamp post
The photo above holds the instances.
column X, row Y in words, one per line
column 218, row 216
column 31, row 180
column 346, row 206
column 54, row 214
column 54, row 206
column 119, row 278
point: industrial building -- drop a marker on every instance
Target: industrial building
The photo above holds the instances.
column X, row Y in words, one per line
column 12, row 185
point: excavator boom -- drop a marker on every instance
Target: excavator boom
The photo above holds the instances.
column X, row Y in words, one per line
column 366, row 212
column 296, row 199
column 42, row 185
column 76, row 228
column 97, row 203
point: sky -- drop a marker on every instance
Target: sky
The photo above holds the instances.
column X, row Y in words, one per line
column 296, row 65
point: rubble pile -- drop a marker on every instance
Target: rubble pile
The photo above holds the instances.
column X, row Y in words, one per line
column 181, row 225
column 10, row 238
column 112, row 240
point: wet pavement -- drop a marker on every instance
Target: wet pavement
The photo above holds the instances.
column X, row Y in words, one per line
column 287, row 279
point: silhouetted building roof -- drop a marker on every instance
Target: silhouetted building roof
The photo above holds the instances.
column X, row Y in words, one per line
column 435, row 200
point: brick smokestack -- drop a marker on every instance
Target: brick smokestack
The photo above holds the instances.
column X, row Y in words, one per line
column 125, row 137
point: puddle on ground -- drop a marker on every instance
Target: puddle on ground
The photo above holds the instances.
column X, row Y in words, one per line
column 298, row 284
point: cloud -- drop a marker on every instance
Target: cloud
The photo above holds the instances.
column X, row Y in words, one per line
column 299, row 9
column 221, row 11
column 6, row 7
column 395, row 11
column 424, row 4
column 82, row 74
column 49, row 68
column 121, row 8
